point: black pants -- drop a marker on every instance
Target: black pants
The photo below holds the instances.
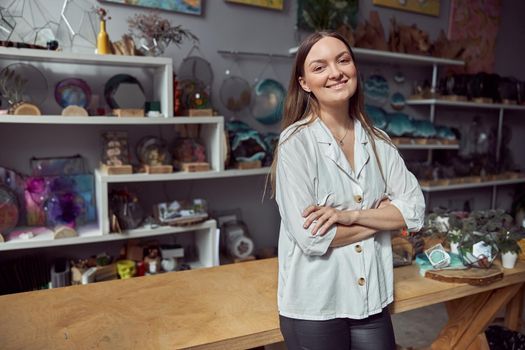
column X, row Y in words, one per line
column 372, row 333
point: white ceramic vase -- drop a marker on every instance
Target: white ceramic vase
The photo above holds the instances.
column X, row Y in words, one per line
column 508, row 260
column 454, row 247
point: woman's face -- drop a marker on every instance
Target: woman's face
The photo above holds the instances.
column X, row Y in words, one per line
column 329, row 72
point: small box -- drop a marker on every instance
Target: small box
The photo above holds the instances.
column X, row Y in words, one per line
column 129, row 112
column 195, row 166
column 116, row 169
column 171, row 251
column 158, row 169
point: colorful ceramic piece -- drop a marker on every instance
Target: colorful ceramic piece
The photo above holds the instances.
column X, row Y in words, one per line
column 246, row 144
column 72, row 92
column 194, row 94
column 444, row 132
column 376, row 90
column 423, row 128
column 378, row 116
column 399, row 124
column 269, row 100
column 9, row 211
column 397, row 101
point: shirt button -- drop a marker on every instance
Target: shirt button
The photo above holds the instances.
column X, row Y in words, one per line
column 358, row 248
column 361, row 281
column 358, row 198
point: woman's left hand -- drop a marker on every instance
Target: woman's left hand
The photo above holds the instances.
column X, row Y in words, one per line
column 325, row 217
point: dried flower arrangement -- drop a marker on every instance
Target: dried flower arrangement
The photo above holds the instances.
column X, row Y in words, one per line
column 12, row 86
column 155, row 33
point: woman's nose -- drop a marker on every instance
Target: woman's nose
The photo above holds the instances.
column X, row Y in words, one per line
column 334, row 72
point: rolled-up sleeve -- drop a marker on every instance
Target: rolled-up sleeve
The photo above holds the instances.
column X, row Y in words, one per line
column 404, row 191
column 295, row 190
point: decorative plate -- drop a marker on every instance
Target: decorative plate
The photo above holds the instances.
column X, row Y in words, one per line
column 121, row 80
column 376, row 90
column 268, row 102
column 235, row 93
column 72, row 92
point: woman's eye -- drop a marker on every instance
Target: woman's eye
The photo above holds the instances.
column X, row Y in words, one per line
column 345, row 60
column 318, row 68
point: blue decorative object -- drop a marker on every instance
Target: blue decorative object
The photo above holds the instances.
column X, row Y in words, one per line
column 271, row 139
column 269, row 100
column 423, row 128
column 376, row 90
column 444, row 132
column 397, row 101
column 246, row 144
column 72, row 92
column 399, row 78
column 399, row 124
column 377, row 115
column 237, row 125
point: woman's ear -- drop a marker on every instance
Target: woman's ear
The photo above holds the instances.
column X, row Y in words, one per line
column 304, row 85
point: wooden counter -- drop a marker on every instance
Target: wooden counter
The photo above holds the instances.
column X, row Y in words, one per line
column 226, row 307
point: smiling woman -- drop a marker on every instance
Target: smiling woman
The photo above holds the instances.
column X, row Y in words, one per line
column 340, row 185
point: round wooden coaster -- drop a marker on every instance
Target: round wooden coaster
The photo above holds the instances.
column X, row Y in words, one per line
column 74, row 111
column 25, row 108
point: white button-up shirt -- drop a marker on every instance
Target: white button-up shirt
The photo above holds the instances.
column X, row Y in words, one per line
column 316, row 281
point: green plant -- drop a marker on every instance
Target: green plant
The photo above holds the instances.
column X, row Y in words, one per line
column 12, row 86
column 507, row 241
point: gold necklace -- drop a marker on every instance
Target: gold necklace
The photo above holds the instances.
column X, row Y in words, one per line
column 341, row 143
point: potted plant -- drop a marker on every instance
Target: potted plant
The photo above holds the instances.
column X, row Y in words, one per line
column 507, row 242
column 478, row 246
column 454, row 232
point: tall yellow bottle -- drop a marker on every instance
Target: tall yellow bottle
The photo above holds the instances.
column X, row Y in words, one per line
column 103, row 45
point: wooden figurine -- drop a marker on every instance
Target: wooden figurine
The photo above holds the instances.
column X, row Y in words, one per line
column 152, row 260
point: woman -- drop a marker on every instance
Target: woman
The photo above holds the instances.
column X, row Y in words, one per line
column 341, row 186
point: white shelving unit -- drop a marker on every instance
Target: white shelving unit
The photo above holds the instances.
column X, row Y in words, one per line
column 159, row 80
column 501, row 108
column 206, row 239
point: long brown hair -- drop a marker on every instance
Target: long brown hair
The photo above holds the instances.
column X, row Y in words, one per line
column 300, row 104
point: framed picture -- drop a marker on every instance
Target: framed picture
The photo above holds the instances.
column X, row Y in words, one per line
column 476, row 24
column 269, row 4
column 427, row 7
column 327, row 15
column 192, row 7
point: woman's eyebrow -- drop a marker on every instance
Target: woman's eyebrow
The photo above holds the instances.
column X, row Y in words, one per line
column 323, row 60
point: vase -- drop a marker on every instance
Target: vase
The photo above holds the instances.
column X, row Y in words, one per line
column 103, row 45
column 454, row 247
column 508, row 260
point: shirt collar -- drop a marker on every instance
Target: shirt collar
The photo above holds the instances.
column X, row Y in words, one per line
column 323, row 135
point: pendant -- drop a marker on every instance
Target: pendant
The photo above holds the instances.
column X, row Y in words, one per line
column 341, row 142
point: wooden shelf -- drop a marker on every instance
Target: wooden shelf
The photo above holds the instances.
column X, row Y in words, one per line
column 58, row 119
column 463, row 186
column 92, row 234
column 467, row 104
column 181, row 175
column 390, row 57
